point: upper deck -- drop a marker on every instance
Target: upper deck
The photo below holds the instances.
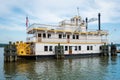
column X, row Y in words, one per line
column 67, row 31
column 74, row 25
column 52, row 28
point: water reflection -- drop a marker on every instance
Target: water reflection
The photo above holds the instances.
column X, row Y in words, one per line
column 10, row 70
column 94, row 68
column 19, row 70
column 104, row 61
column 114, row 58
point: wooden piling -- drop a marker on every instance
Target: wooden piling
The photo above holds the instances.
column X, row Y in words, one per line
column 59, row 52
column 113, row 50
column 10, row 52
column 104, row 50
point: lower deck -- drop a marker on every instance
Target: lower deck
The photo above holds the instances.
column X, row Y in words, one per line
column 36, row 57
column 68, row 49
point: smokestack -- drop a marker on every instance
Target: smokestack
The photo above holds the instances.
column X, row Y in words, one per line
column 86, row 20
column 99, row 24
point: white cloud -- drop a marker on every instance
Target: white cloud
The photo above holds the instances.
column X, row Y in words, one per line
column 12, row 28
column 53, row 11
column 109, row 10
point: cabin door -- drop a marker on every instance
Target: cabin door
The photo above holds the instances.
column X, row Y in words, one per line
column 68, row 38
column 70, row 49
column 39, row 37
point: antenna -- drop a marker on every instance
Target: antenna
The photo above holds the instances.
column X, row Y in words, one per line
column 78, row 10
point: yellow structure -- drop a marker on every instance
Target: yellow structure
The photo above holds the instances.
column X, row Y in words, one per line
column 23, row 48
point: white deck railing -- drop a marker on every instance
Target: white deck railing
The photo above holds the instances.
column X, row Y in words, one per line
column 57, row 27
column 56, row 40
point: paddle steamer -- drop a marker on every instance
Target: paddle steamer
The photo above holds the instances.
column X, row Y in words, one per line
column 73, row 35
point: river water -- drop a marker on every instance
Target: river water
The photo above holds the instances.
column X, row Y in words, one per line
column 92, row 68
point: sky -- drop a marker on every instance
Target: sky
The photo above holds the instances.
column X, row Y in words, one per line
column 13, row 15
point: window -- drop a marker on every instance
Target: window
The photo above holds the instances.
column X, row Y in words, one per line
column 76, row 20
column 72, row 20
column 60, row 36
column 64, row 35
column 75, row 48
column 44, row 35
column 50, row 48
column 77, row 36
column 73, row 36
column 100, row 48
column 87, row 47
column 70, row 47
column 39, row 35
column 66, row 48
column 49, row 35
column 68, row 36
column 45, row 48
column 91, row 47
column 79, row 47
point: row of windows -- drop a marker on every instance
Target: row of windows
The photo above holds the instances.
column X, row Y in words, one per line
column 44, row 35
column 60, row 36
column 66, row 48
column 89, row 47
column 46, row 48
column 70, row 48
column 73, row 20
column 75, row 36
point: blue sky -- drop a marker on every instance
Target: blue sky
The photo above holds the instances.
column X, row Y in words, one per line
column 13, row 14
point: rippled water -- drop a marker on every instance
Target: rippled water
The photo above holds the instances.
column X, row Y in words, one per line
column 93, row 68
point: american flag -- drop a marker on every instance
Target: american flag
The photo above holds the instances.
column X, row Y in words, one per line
column 26, row 21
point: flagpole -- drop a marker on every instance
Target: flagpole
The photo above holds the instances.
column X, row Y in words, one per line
column 26, row 21
column 27, row 26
